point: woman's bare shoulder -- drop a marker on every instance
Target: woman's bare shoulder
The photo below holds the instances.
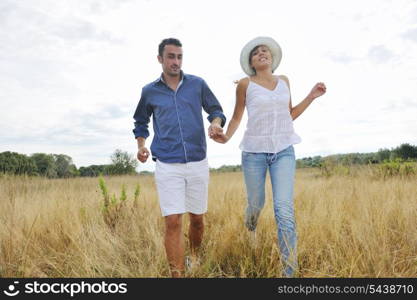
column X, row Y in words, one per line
column 243, row 83
column 285, row 78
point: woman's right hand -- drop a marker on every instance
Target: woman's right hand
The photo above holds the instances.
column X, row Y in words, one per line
column 221, row 138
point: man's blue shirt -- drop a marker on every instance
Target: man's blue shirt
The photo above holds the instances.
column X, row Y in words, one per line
column 179, row 134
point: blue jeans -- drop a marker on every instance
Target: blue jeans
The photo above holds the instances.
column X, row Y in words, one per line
column 281, row 168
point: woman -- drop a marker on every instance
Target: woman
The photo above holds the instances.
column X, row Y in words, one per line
column 267, row 143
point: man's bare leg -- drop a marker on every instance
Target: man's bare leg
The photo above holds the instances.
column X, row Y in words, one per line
column 195, row 233
column 174, row 244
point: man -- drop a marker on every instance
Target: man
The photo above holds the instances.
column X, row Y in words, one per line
column 175, row 102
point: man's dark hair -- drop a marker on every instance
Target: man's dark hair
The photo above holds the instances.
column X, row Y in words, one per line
column 170, row 41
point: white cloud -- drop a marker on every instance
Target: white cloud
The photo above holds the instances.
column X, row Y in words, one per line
column 411, row 34
column 380, row 54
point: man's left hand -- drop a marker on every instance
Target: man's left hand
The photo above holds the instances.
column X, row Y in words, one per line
column 214, row 130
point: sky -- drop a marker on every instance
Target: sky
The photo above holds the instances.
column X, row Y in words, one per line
column 71, row 71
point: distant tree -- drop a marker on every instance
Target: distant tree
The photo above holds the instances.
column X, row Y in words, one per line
column 45, row 164
column 405, row 151
column 74, row 172
column 8, row 162
column 316, row 161
column 17, row 164
column 368, row 158
column 309, row 162
column 351, row 158
column 93, row 170
column 122, row 163
column 383, row 154
column 64, row 166
column 83, row 171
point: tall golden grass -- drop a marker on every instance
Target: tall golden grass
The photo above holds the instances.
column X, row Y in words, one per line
column 352, row 225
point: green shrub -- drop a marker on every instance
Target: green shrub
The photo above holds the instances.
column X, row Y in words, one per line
column 397, row 167
column 113, row 207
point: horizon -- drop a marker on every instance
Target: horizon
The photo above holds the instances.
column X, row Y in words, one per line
column 226, row 165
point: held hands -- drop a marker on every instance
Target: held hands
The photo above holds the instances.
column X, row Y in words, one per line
column 221, row 138
column 318, row 90
column 214, row 130
column 216, row 133
column 143, row 154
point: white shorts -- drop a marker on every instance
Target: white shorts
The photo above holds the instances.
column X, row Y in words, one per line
column 182, row 187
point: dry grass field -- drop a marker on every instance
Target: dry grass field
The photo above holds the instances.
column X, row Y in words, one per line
column 352, row 225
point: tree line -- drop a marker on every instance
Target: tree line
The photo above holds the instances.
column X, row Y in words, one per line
column 122, row 163
column 403, row 152
column 62, row 166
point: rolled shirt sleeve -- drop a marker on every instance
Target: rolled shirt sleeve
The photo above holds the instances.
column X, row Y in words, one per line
column 142, row 117
column 211, row 105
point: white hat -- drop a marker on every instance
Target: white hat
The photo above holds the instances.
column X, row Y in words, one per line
column 261, row 40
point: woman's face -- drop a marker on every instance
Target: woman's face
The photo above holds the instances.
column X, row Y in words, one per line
column 261, row 57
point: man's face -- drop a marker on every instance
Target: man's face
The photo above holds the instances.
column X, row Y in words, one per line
column 171, row 60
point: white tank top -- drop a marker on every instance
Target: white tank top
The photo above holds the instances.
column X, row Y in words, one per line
column 270, row 126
